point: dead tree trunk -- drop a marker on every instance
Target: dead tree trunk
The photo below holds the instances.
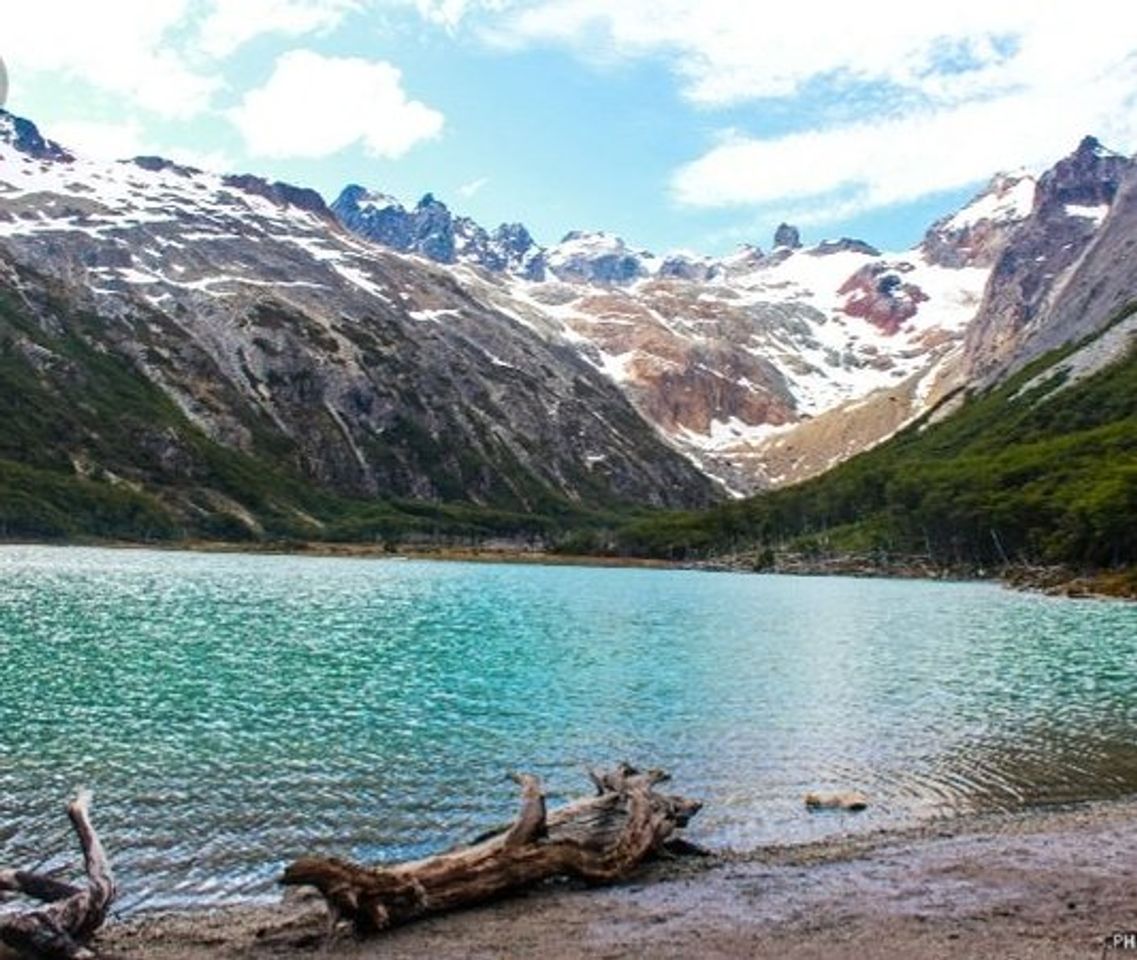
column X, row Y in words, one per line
column 597, row 839
column 60, row 930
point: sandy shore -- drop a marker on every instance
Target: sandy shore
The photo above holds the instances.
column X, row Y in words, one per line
column 1039, row 885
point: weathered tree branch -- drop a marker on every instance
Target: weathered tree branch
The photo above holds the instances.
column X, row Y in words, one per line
column 599, row 839
column 61, row 930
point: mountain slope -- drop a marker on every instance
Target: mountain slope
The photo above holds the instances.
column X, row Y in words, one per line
column 735, row 360
column 1042, row 468
column 767, row 369
column 282, row 338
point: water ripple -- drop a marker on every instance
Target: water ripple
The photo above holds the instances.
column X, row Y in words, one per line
column 233, row 712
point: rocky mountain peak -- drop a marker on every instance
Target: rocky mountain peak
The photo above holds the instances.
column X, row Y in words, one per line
column 844, row 245
column 25, row 137
column 428, row 229
column 515, row 237
column 430, row 203
column 787, row 235
column 357, row 195
column 431, row 230
column 1092, row 146
column 512, row 249
column 1089, row 177
column 1070, row 204
column 691, row 267
column 597, row 257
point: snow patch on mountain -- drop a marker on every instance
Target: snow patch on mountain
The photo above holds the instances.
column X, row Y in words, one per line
column 1096, row 213
column 1011, row 198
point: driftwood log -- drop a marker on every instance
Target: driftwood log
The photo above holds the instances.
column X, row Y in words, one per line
column 60, row 929
column 598, row 839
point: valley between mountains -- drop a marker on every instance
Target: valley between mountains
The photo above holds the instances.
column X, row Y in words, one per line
column 191, row 355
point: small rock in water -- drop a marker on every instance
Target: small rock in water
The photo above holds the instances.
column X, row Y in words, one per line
column 845, row 800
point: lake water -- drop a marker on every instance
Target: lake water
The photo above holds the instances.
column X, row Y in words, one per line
column 232, row 712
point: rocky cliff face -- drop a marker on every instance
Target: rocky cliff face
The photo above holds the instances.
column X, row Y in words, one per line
column 1101, row 287
column 1042, row 253
column 280, row 335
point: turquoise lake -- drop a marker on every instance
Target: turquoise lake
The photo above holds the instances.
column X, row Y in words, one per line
column 233, row 711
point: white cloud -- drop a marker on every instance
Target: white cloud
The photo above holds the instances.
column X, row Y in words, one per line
column 126, row 139
column 103, row 141
column 232, row 23
column 730, row 51
column 450, row 13
column 838, row 172
column 469, row 189
column 124, row 49
column 897, row 100
column 313, row 106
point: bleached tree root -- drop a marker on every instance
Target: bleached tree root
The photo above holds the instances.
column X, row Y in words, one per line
column 60, row 930
column 599, row 839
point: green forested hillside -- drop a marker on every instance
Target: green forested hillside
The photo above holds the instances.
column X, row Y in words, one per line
column 90, row 448
column 1043, row 476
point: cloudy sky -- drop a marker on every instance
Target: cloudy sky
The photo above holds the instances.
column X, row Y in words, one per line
column 692, row 124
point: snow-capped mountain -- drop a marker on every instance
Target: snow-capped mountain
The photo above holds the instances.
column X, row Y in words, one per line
column 409, row 350
column 727, row 366
column 765, row 369
column 1069, row 207
column 729, row 357
column 277, row 333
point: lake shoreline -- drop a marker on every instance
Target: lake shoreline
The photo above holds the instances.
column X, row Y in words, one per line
column 1043, row 883
column 1057, row 581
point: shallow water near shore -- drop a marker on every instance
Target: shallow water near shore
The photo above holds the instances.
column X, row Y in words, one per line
column 234, row 711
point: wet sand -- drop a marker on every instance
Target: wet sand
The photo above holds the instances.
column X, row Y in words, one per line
column 1050, row 884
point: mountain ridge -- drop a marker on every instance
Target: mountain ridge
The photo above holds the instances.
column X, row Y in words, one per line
column 480, row 366
column 279, row 336
column 1040, row 469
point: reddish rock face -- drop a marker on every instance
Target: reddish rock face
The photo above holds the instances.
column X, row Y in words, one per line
column 690, row 394
column 678, row 379
column 879, row 294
